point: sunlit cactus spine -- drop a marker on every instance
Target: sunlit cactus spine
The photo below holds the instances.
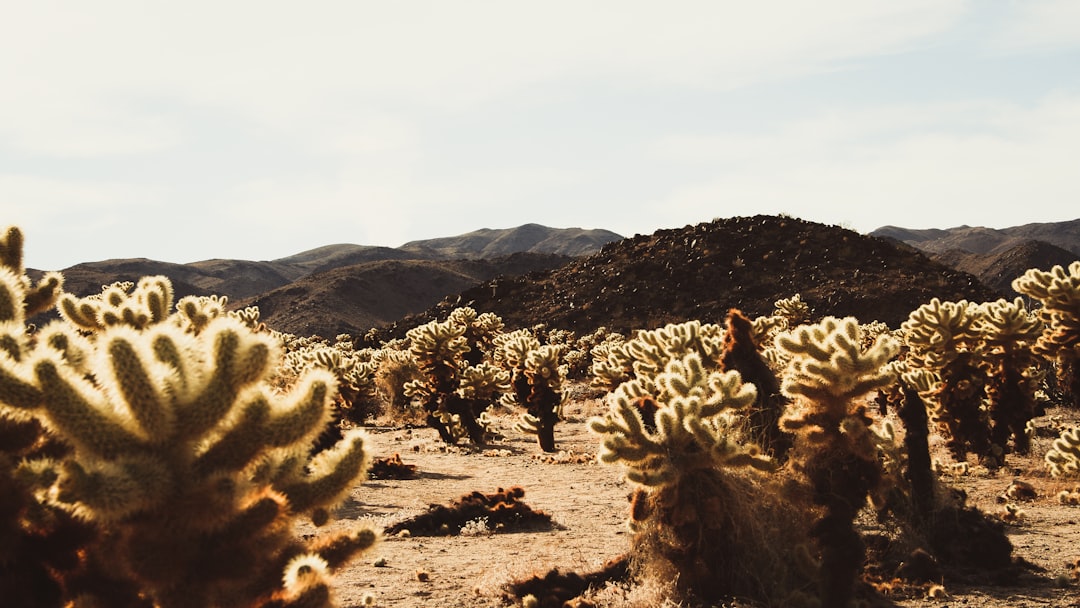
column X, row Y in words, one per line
column 1063, row 458
column 42, row 546
column 944, row 338
column 1008, row 333
column 459, row 386
column 192, row 462
column 836, row 449
column 137, row 305
column 1058, row 291
column 743, row 353
column 536, row 379
column 36, row 297
column 679, row 436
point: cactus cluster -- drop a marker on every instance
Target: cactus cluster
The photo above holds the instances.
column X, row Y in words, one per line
column 987, row 373
column 458, row 385
column 1058, row 290
column 679, row 434
column 189, row 467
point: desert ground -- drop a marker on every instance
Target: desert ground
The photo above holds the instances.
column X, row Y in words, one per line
column 588, row 505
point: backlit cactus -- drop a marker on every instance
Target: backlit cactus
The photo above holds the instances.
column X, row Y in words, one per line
column 192, row 466
column 1063, row 458
column 458, row 385
column 988, row 374
column 835, row 447
column 536, row 377
column 1059, row 293
column 690, row 430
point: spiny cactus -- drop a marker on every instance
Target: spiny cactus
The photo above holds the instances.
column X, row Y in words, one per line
column 37, row 297
column 1008, row 332
column 943, row 338
column 1059, row 293
column 458, row 385
column 536, row 377
column 118, row 304
column 679, row 436
column 988, row 374
column 835, row 447
column 181, row 451
column 43, row 558
column 1063, row 458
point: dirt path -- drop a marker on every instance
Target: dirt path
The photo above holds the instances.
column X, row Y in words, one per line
column 588, row 505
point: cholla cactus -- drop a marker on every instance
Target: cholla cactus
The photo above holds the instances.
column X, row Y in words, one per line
column 690, row 431
column 648, row 352
column 835, row 447
column 536, row 376
column 182, row 451
column 36, row 298
column 742, row 353
column 679, row 437
column 1063, row 458
column 988, row 374
column 118, row 304
column 43, row 547
column 943, row 338
column 1059, row 293
column 458, row 386
column 1007, row 332
column 794, row 311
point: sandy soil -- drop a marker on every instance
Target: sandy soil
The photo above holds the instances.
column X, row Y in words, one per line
column 588, row 505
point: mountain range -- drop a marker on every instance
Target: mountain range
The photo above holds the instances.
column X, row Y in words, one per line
column 583, row 279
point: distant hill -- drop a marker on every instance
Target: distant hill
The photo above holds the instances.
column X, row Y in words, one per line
column 532, row 238
column 293, row 291
column 353, row 299
column 701, row 272
column 1065, row 235
column 995, row 256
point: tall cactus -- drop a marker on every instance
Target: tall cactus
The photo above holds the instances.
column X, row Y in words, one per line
column 835, row 446
column 1059, row 293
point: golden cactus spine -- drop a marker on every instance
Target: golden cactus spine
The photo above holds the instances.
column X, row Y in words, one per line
column 835, row 447
column 184, row 452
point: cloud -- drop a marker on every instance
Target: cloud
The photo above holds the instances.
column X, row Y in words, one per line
column 92, row 70
column 1041, row 25
column 926, row 165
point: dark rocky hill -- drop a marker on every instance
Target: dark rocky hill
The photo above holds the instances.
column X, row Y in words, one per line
column 702, row 271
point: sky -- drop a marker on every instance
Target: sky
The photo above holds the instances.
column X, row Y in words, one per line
column 185, row 131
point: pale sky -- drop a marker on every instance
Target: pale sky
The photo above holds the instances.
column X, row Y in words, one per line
column 184, row 131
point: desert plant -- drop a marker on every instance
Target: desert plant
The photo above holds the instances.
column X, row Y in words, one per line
column 1059, row 293
column 835, row 447
column 742, row 353
column 456, row 392
column 678, row 437
column 987, row 373
column 1007, row 333
column 42, row 546
column 942, row 338
column 536, row 378
column 1063, row 458
column 182, row 455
